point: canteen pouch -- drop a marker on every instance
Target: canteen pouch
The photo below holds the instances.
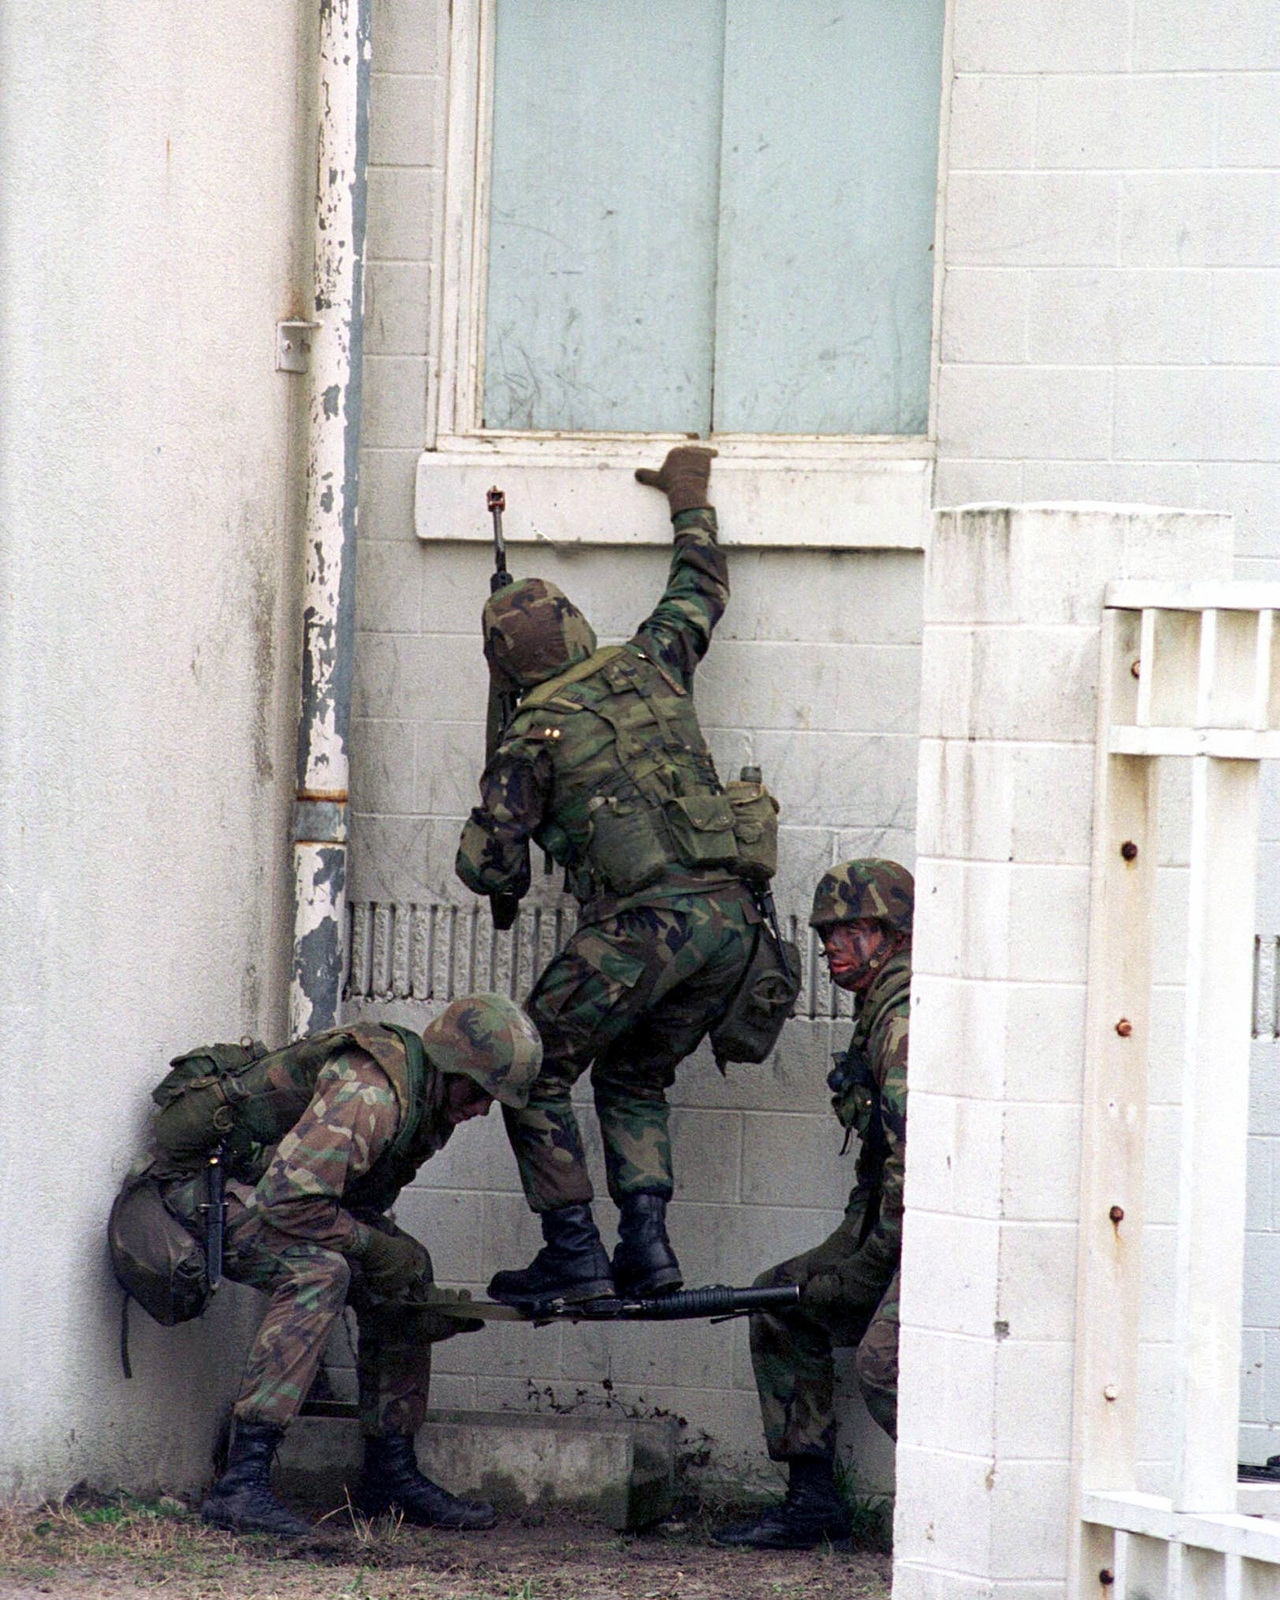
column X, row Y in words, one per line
column 761, row 1003
column 197, row 1095
column 755, row 829
column 701, row 829
column 154, row 1258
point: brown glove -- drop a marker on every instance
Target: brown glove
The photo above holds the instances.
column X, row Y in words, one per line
column 392, row 1262
column 683, row 477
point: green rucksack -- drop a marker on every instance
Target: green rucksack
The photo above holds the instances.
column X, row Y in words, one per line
column 198, row 1095
column 156, row 1260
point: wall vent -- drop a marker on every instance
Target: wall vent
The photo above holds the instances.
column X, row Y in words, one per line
column 1266, row 989
column 435, row 952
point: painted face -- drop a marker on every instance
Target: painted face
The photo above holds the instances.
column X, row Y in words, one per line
column 855, row 952
column 464, row 1099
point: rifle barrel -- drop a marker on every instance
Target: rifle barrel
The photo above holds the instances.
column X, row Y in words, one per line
column 715, row 1301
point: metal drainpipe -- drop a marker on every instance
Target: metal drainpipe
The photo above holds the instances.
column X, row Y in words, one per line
column 328, row 618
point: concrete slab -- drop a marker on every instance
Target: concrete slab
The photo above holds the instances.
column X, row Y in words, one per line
column 615, row 1470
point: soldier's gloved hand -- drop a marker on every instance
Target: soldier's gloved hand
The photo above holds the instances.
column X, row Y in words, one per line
column 450, row 1325
column 824, row 1295
column 392, row 1262
column 683, row 477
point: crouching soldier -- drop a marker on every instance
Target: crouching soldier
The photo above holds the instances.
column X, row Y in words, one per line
column 318, row 1140
column 862, row 911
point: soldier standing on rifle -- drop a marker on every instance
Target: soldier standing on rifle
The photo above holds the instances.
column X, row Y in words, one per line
column 604, row 766
column 849, row 1284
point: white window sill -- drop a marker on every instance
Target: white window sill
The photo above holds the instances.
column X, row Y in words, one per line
column 823, row 494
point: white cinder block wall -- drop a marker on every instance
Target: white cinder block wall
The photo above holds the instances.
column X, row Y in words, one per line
column 1008, row 714
column 813, row 674
column 1107, row 332
column 1110, row 331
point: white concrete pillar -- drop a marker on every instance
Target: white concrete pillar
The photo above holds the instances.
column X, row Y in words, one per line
column 1012, row 609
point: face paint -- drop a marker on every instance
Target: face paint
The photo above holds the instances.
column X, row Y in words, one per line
column 855, row 952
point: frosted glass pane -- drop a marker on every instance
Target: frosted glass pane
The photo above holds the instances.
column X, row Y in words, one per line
column 828, row 172
column 606, row 139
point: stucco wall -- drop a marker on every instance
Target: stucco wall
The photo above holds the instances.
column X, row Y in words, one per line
column 153, row 186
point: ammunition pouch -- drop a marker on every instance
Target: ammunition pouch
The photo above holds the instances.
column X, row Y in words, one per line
column 153, row 1256
column 632, row 845
column 762, row 1002
column 628, row 849
column 701, row 829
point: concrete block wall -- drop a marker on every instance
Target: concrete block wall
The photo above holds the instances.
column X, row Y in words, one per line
column 1008, row 706
column 758, row 1171
column 1109, row 331
column 813, row 675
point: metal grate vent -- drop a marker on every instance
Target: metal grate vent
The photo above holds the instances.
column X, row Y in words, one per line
column 1266, row 989
column 436, row 952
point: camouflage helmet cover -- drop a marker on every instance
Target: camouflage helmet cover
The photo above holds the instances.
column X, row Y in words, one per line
column 880, row 889
column 488, row 1038
column 532, row 632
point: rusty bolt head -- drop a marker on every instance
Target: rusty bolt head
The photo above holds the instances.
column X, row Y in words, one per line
column 1106, row 1577
column 1116, row 1213
column 1124, row 1027
column 1129, row 850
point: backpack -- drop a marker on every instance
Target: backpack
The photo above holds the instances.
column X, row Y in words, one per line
column 154, row 1258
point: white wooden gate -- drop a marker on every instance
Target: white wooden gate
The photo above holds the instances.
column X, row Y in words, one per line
column 1191, row 673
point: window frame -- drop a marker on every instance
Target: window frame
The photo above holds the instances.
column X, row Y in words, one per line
column 456, row 339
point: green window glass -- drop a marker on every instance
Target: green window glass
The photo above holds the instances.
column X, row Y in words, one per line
column 712, row 215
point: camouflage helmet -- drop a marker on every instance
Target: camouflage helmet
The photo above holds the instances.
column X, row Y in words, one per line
column 880, row 889
column 488, row 1038
column 532, row 632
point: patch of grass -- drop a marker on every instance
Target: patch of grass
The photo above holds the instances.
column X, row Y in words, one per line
column 871, row 1513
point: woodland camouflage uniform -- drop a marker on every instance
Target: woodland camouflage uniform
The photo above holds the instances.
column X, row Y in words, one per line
column 849, row 1284
column 336, row 1125
column 610, row 738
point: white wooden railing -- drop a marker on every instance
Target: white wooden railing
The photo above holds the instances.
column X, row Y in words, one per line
column 1189, row 673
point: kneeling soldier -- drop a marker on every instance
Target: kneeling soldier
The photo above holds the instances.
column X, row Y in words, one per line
column 848, row 1285
column 320, row 1138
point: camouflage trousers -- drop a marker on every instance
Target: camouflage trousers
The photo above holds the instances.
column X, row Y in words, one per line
column 629, row 997
column 309, row 1287
column 792, row 1353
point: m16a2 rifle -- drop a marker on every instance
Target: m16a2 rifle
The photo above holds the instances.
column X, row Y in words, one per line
column 716, row 1301
column 503, row 699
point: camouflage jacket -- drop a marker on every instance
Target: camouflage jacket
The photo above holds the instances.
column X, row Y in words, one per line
column 870, row 1097
column 559, row 756
column 342, row 1129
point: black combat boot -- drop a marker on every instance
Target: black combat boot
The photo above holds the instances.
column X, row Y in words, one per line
column 242, row 1499
column 811, row 1514
column 392, row 1483
column 644, row 1262
column 572, row 1266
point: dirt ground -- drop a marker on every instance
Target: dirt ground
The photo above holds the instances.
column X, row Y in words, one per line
column 117, row 1548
